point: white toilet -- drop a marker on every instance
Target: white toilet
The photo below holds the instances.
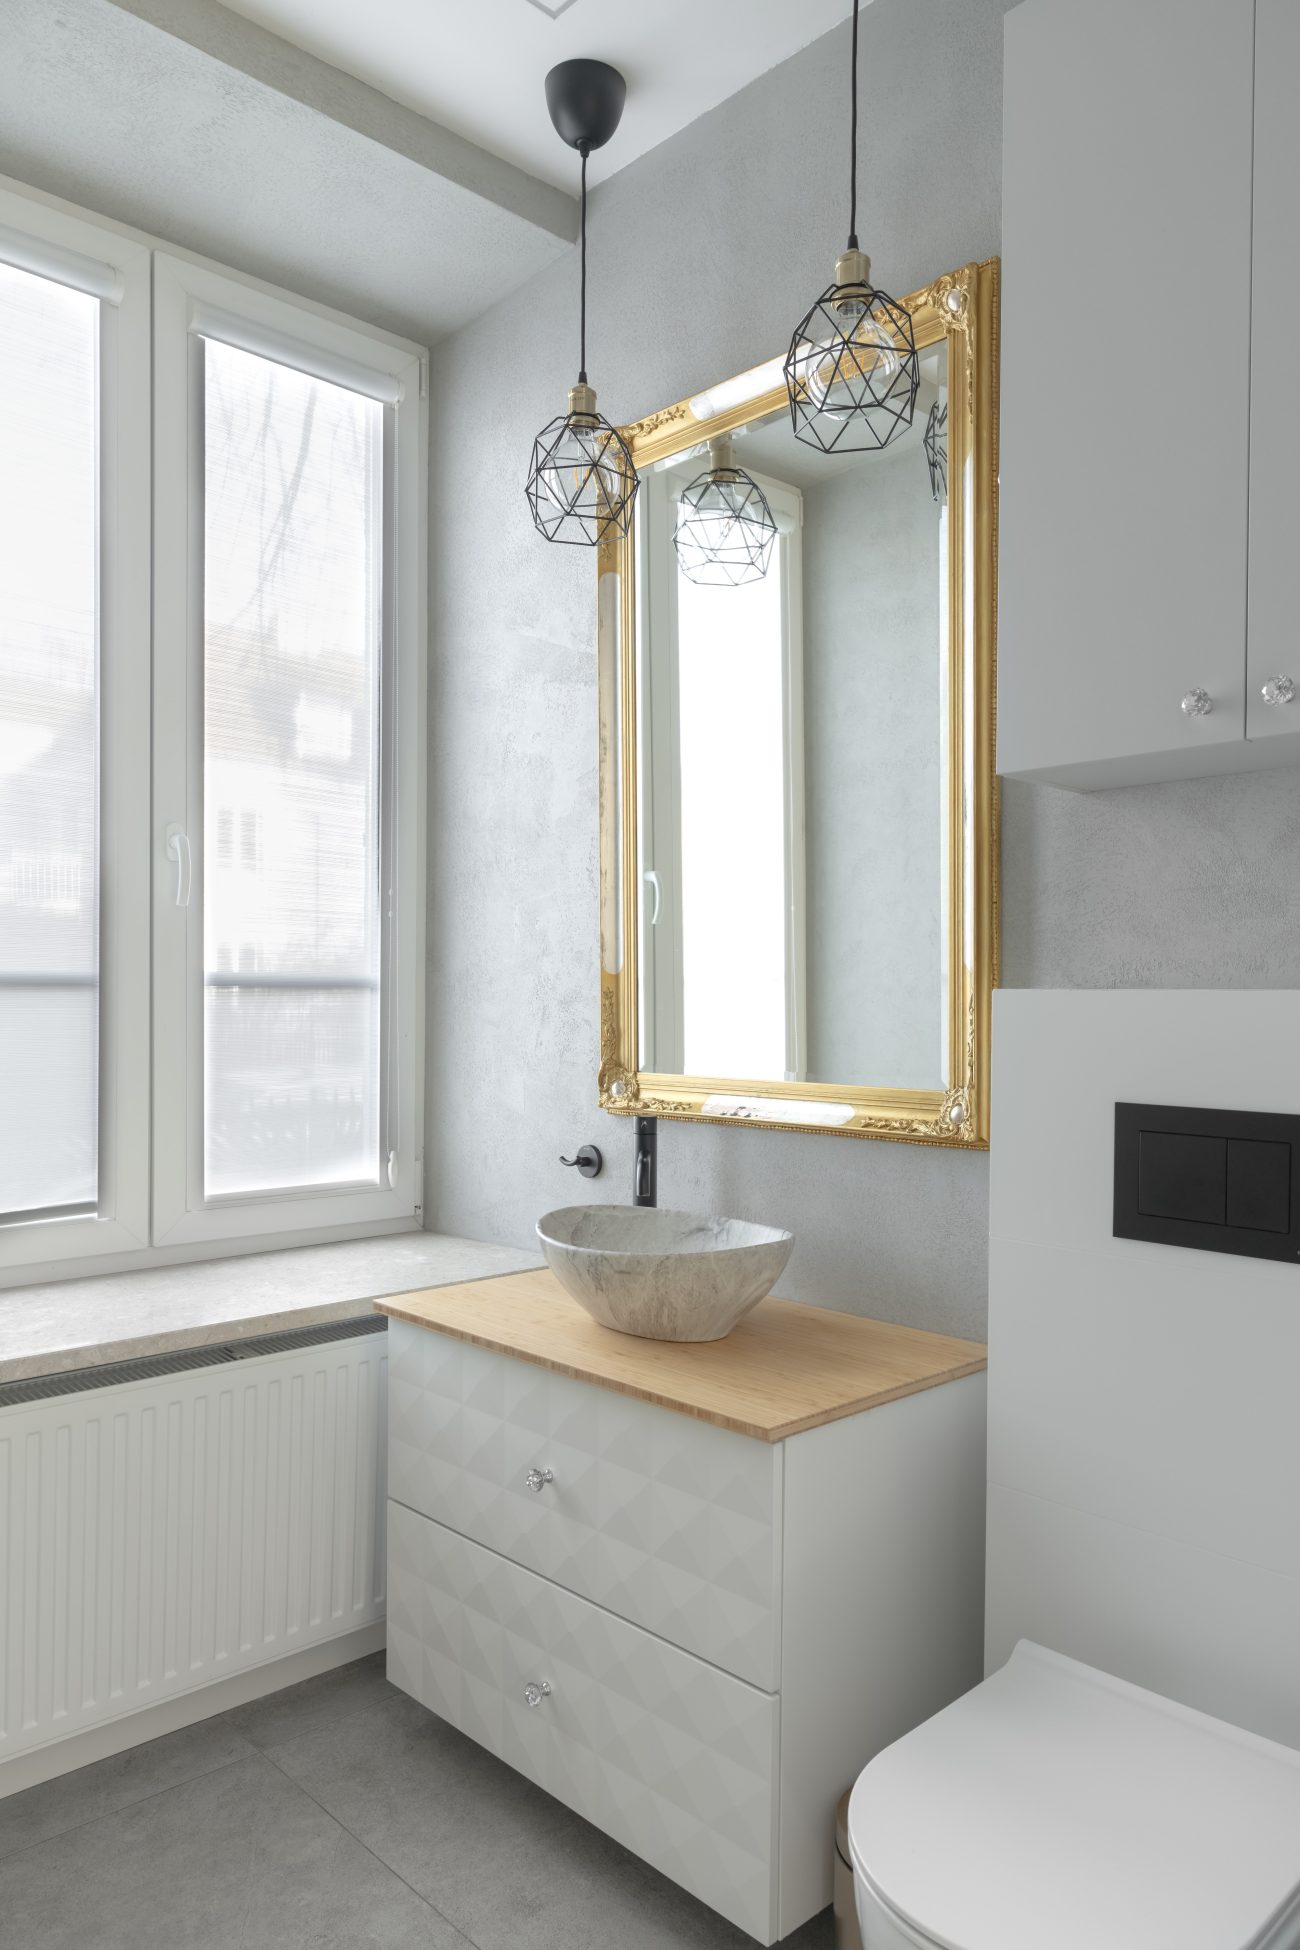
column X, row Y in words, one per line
column 1057, row 1808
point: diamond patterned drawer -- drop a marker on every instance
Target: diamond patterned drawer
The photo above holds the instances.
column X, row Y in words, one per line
column 673, row 1523
column 671, row 1757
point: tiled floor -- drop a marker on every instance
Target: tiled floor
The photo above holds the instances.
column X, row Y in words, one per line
column 335, row 1815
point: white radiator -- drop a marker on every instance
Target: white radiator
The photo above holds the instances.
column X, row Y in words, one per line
column 159, row 1534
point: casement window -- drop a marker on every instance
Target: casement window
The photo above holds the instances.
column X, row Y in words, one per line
column 210, row 755
column 74, row 746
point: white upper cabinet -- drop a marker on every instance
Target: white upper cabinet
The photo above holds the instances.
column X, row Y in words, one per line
column 1127, row 381
column 1273, row 662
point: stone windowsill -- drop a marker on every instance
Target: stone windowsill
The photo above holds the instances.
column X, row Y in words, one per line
column 68, row 1324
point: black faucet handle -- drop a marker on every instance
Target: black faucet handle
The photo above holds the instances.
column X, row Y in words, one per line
column 589, row 1161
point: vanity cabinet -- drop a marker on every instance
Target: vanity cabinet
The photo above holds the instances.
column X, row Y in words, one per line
column 688, row 1590
column 1149, row 499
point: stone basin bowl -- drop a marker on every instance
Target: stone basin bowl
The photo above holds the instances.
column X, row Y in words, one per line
column 667, row 1276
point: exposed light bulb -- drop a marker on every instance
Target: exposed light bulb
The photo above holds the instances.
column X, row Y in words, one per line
column 861, row 349
column 580, row 472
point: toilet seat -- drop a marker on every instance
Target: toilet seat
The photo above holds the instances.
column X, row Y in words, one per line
column 1057, row 1808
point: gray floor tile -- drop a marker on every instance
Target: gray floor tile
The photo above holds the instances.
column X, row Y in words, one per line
column 313, row 1703
column 511, row 1867
column 239, row 1860
column 107, row 1785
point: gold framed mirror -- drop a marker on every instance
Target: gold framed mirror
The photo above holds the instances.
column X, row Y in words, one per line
column 798, row 808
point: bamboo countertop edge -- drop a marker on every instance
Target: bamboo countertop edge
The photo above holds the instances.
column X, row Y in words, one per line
column 787, row 1368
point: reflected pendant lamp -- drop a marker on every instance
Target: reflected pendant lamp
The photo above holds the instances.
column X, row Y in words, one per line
column 725, row 531
column 935, row 442
column 852, row 371
column 581, row 482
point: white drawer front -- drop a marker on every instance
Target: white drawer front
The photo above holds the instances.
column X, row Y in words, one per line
column 671, row 1757
column 671, row 1522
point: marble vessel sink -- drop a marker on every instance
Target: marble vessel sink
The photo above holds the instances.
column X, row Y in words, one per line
column 667, row 1276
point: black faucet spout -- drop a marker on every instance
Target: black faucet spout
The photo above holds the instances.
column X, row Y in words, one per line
column 645, row 1177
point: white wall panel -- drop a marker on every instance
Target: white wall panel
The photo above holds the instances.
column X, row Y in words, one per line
column 1212, row 1630
column 159, row 1535
column 1144, row 1470
column 1063, row 1058
column 1154, row 1387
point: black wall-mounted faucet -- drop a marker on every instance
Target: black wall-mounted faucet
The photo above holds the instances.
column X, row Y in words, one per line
column 645, row 1176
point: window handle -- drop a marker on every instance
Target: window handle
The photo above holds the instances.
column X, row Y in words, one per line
column 178, row 849
column 653, row 878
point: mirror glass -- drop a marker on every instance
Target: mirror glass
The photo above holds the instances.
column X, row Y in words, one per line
column 793, row 769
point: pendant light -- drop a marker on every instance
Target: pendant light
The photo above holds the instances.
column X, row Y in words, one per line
column 852, row 370
column 582, row 483
column 725, row 530
column 935, row 442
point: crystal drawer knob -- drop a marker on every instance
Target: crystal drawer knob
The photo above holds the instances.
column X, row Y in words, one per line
column 1278, row 690
column 1198, row 703
column 537, row 1479
column 536, row 1691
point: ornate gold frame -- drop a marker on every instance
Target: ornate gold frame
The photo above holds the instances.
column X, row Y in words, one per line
column 963, row 307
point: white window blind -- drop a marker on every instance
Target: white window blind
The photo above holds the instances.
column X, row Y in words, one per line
column 291, row 871
column 49, row 723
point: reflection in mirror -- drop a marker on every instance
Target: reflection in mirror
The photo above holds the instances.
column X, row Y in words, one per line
column 793, row 770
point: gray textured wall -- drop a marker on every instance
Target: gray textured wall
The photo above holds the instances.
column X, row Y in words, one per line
column 872, row 695
column 702, row 255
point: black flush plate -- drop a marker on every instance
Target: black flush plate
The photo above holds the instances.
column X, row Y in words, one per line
column 1223, row 1181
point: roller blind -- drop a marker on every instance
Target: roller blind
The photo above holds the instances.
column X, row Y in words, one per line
column 49, row 725
column 293, row 613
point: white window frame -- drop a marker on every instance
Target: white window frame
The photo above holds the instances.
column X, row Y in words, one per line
column 151, row 1209
column 40, row 234
column 193, row 300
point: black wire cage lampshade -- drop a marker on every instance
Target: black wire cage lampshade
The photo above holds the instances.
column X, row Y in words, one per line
column 725, row 530
column 582, row 482
column 935, row 442
column 852, row 370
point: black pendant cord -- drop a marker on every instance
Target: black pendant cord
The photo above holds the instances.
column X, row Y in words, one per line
column 582, row 300
column 853, row 139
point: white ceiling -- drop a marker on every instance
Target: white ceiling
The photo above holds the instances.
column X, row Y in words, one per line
column 477, row 66
column 374, row 217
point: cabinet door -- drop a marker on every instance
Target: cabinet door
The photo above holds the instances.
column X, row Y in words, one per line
column 1274, row 643
column 674, row 1759
column 1125, row 387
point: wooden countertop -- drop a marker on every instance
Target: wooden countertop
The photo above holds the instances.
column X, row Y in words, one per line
column 786, row 1367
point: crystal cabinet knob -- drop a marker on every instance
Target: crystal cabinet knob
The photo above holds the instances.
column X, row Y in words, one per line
column 537, row 1479
column 1278, row 690
column 536, row 1691
column 1198, row 703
